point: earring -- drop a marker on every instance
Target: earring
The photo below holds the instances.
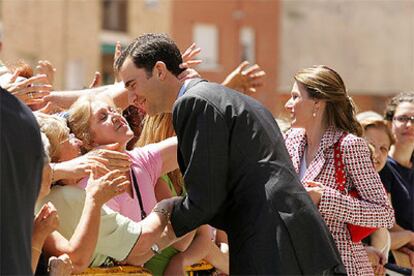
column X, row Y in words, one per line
column 314, row 114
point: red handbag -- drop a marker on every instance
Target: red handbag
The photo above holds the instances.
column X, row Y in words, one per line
column 357, row 232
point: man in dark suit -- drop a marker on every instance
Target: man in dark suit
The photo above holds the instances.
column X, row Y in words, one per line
column 236, row 169
column 21, row 171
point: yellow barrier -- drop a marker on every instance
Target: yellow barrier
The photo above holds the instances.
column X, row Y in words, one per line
column 200, row 266
column 137, row 270
column 115, row 270
column 401, row 259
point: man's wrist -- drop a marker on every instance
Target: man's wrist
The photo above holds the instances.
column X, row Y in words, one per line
column 155, row 249
column 162, row 211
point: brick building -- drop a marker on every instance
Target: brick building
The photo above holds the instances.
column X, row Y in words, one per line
column 370, row 43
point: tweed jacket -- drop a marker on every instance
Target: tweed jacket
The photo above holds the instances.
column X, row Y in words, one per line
column 337, row 208
column 239, row 178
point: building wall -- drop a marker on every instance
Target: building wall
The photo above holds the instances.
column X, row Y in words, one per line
column 62, row 31
column 370, row 44
column 149, row 16
column 229, row 16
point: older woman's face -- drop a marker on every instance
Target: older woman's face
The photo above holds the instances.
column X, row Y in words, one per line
column 300, row 106
column 379, row 139
column 402, row 123
column 69, row 148
column 107, row 126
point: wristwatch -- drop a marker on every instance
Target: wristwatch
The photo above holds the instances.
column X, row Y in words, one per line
column 155, row 249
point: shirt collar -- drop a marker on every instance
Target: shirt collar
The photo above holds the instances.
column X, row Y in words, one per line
column 183, row 88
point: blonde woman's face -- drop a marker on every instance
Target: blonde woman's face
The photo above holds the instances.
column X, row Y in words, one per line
column 381, row 143
column 107, row 126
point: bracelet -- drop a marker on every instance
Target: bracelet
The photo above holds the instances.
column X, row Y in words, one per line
column 52, row 166
column 162, row 211
column 37, row 249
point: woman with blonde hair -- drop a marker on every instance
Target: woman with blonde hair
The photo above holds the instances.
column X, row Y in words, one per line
column 97, row 122
column 94, row 235
column 157, row 128
column 323, row 121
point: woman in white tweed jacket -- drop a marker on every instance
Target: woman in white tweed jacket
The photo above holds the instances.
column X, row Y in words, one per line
column 321, row 112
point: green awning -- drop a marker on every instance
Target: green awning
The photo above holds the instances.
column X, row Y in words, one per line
column 107, row 48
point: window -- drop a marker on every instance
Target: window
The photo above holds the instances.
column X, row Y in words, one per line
column 114, row 15
column 206, row 37
column 151, row 4
column 247, row 43
column 74, row 74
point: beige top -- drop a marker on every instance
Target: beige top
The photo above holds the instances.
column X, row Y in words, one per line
column 117, row 234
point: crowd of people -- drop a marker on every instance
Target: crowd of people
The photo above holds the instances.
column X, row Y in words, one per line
column 163, row 170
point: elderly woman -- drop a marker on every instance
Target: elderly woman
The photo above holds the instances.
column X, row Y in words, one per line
column 81, row 244
column 68, row 165
column 115, row 238
column 323, row 117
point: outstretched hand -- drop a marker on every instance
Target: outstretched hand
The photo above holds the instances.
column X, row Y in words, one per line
column 106, row 187
column 30, row 91
column 187, row 56
column 244, row 78
column 97, row 80
column 46, row 221
column 117, row 54
column 45, row 67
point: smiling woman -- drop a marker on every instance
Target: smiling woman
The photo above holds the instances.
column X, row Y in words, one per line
column 323, row 118
column 398, row 173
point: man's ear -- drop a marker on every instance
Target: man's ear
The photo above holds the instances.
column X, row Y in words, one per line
column 160, row 70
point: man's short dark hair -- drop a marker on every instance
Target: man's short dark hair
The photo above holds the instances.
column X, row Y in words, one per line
column 149, row 48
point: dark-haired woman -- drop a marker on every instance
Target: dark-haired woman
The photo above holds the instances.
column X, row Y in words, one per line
column 398, row 173
column 322, row 114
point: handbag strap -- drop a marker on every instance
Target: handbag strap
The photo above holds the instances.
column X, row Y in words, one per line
column 137, row 191
column 339, row 164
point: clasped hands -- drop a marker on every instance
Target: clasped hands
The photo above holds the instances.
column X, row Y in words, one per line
column 315, row 191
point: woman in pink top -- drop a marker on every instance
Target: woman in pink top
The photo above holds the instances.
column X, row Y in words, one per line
column 97, row 122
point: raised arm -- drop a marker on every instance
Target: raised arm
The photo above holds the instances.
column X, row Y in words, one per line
column 82, row 244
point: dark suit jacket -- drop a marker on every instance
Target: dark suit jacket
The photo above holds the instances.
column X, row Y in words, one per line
column 21, row 171
column 239, row 178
